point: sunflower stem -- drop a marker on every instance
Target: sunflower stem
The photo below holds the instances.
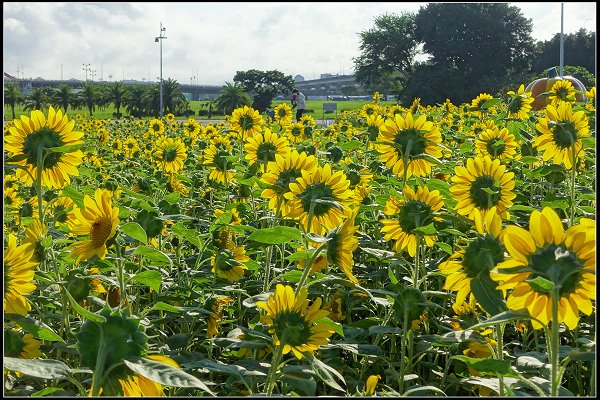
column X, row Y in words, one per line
column 500, row 356
column 554, row 342
column 98, row 376
column 38, row 182
column 573, row 175
column 273, row 370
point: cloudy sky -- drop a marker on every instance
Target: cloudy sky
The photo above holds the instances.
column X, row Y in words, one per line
column 207, row 42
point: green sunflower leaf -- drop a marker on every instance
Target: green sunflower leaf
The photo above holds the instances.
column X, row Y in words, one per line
column 276, row 235
column 488, row 366
column 164, row 374
column 506, row 316
column 150, row 278
column 135, row 230
column 189, row 234
column 484, row 290
column 63, row 149
column 335, row 325
column 153, row 255
column 37, row 328
column 326, row 373
column 426, row 230
column 39, row 368
column 83, row 312
column 540, row 284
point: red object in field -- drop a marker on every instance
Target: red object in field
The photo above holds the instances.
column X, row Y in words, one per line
column 540, row 87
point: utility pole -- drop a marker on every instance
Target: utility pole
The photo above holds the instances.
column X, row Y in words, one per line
column 86, row 68
column 159, row 39
column 562, row 40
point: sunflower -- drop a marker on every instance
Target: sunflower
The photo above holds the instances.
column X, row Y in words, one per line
column 476, row 260
column 481, row 185
column 263, row 147
column 280, row 173
column 417, row 209
column 293, row 323
column 103, row 136
column 19, row 271
column 216, row 315
column 12, row 198
column 156, row 127
column 61, row 210
column 175, row 185
column 169, row 154
column 566, row 258
column 322, row 196
column 411, row 138
column 342, row 243
column 372, row 381
column 360, row 183
column 369, row 109
column 562, row 91
column 170, row 117
column 34, row 234
column 560, row 134
column 31, row 136
column 497, row 143
column 246, row 121
column 21, row 345
column 283, row 114
column 229, row 262
column 477, row 105
column 295, row 132
column 308, row 120
column 590, row 96
column 519, row 105
column 135, row 385
column 374, row 123
column 217, row 159
column 98, row 219
column 130, row 146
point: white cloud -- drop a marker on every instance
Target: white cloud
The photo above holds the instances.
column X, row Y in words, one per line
column 213, row 40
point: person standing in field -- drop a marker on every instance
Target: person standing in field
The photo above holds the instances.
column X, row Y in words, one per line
column 299, row 101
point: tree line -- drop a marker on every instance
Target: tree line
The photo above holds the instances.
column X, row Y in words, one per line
column 463, row 49
column 444, row 51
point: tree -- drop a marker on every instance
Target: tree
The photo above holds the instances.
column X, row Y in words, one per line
column 116, row 95
column 64, row 97
column 232, row 96
column 579, row 50
column 173, row 97
column 134, row 100
column 264, row 86
column 90, row 96
column 485, row 43
column 37, row 99
column 13, row 96
column 387, row 52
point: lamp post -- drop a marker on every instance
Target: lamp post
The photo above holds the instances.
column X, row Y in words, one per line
column 159, row 39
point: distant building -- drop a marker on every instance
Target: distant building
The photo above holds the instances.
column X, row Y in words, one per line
column 298, row 78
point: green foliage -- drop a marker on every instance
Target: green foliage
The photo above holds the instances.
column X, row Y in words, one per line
column 264, row 86
column 484, row 41
column 387, row 52
column 579, row 50
column 232, row 96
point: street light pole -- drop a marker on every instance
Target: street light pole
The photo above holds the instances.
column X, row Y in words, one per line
column 86, row 68
column 159, row 39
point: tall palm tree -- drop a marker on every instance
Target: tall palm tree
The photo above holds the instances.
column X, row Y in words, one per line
column 64, row 97
column 90, row 96
column 173, row 97
column 134, row 100
column 13, row 96
column 116, row 95
column 232, row 96
column 37, row 99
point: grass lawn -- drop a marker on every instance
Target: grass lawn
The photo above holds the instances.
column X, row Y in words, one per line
column 106, row 113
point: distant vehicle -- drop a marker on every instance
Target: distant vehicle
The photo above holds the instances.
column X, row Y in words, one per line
column 337, row 98
column 359, row 97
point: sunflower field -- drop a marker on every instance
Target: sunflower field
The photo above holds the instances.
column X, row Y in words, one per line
column 443, row 250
